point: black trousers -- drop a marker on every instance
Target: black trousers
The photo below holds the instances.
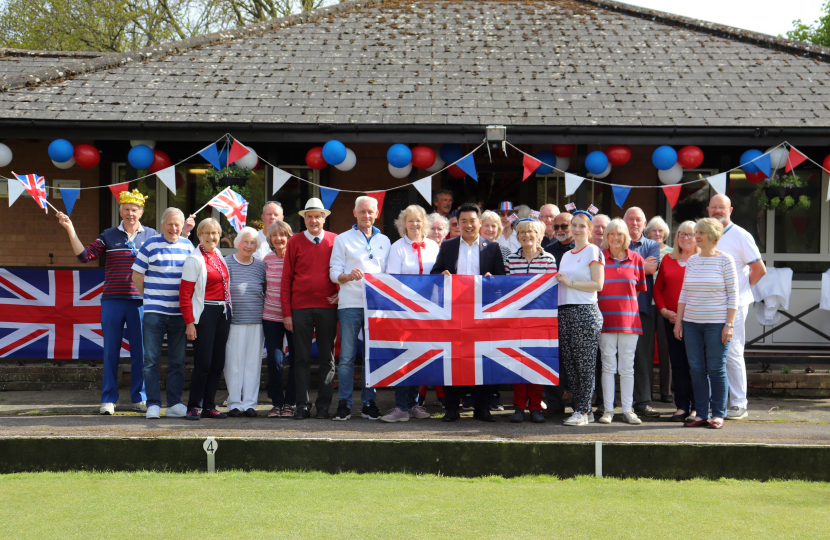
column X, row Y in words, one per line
column 644, row 364
column 306, row 322
column 208, row 356
column 481, row 396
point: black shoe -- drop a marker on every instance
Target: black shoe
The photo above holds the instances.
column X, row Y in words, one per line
column 537, row 417
column 422, row 400
column 468, row 403
column 301, row 413
column 518, row 416
column 678, row 417
column 343, row 412
column 483, row 415
column 666, row 398
column 370, row 411
column 322, row 413
column 495, row 404
column 250, row 413
column 234, row 413
column 451, row 415
column 648, row 411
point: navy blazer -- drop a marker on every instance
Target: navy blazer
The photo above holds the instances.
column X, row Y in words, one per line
column 490, row 259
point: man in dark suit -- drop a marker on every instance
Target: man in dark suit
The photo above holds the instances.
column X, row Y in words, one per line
column 470, row 255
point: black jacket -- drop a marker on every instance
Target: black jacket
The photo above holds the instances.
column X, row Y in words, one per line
column 490, row 259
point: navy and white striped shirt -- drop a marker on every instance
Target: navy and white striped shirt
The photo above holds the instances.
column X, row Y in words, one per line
column 247, row 290
column 161, row 262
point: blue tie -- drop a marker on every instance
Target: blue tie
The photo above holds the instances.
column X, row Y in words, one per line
column 316, row 239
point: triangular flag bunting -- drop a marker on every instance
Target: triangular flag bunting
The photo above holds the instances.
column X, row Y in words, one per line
column 280, row 178
column 118, row 188
column 168, row 178
column 672, row 194
column 424, row 187
column 765, row 164
column 211, row 154
column 468, row 165
column 328, row 195
column 718, row 183
column 572, row 183
column 620, row 194
column 379, row 195
column 16, row 189
column 238, row 150
column 800, row 224
column 795, row 159
column 530, row 165
column 69, row 196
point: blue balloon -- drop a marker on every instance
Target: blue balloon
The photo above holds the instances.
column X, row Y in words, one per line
column 596, row 162
column 451, row 153
column 398, row 155
column 61, row 150
column 546, row 157
column 140, row 157
column 748, row 156
column 664, row 157
column 334, row 152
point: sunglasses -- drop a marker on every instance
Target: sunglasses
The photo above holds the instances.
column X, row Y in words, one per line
column 274, row 202
column 564, row 227
column 133, row 249
column 369, row 249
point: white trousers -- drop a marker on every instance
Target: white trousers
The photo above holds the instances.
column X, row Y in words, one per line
column 624, row 346
column 243, row 365
column 735, row 364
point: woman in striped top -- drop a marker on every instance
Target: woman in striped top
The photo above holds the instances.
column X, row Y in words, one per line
column 705, row 318
column 277, row 237
column 530, row 259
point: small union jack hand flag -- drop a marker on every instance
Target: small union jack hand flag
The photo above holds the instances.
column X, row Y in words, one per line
column 36, row 187
column 233, row 206
column 593, row 209
column 570, row 207
column 535, row 214
column 512, row 218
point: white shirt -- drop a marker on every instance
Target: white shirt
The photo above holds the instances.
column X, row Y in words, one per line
column 138, row 229
column 403, row 258
column 264, row 249
column 468, row 258
column 311, row 237
column 736, row 241
column 351, row 251
column 577, row 266
column 511, row 242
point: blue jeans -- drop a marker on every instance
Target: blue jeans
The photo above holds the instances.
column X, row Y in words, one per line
column 155, row 326
column 114, row 314
column 351, row 323
column 707, row 365
column 274, row 332
column 406, row 397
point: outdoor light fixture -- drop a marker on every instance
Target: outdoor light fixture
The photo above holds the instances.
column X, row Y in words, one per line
column 496, row 138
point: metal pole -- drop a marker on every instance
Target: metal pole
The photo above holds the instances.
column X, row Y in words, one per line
column 598, row 460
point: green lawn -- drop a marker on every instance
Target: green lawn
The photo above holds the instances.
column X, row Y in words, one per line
column 239, row 505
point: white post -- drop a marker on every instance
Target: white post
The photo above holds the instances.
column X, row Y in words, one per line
column 598, row 460
column 210, row 445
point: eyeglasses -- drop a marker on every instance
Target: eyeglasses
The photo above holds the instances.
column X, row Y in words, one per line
column 685, row 235
column 369, row 249
column 133, row 249
column 564, row 227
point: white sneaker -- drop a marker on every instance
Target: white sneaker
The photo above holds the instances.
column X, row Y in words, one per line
column 107, row 408
column 140, row 406
column 632, row 418
column 736, row 413
column 577, row 419
column 153, row 411
column 176, row 411
column 607, row 418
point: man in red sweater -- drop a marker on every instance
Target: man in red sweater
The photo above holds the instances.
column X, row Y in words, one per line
column 309, row 303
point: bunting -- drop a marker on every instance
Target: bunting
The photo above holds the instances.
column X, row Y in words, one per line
column 379, row 195
column 211, row 154
column 530, row 165
column 620, row 194
column 672, row 193
column 424, row 187
column 468, row 165
column 168, row 178
column 16, row 189
column 794, row 159
column 328, row 195
column 280, row 178
column 117, row 189
column 572, row 183
column 69, row 196
column 718, row 183
column 237, row 151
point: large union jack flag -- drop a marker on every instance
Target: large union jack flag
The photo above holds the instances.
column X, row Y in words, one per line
column 233, row 206
column 461, row 330
column 52, row 314
column 36, row 187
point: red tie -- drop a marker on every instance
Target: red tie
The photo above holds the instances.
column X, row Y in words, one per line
column 417, row 247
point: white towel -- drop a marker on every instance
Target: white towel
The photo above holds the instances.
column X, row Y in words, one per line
column 825, row 291
column 772, row 293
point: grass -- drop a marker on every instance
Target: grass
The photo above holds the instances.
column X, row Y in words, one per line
column 317, row 505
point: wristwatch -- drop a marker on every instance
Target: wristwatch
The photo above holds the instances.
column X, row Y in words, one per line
column 730, row 325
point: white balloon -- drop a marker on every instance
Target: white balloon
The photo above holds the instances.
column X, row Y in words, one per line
column 348, row 163
column 65, row 164
column 151, row 144
column 778, row 157
column 562, row 163
column 5, row 155
column 671, row 176
column 603, row 174
column 402, row 172
column 249, row 160
column 438, row 165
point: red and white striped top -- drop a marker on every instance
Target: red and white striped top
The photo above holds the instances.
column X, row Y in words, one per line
column 710, row 287
column 272, row 310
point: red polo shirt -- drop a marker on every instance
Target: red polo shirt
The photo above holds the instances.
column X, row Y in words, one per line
column 618, row 299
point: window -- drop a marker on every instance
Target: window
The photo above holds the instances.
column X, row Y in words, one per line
column 693, row 200
column 799, row 230
column 147, row 187
column 551, row 190
column 746, row 210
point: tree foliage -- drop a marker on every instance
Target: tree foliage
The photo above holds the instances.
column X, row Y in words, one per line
column 817, row 33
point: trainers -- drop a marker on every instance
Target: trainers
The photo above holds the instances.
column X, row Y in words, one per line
column 176, row 411
column 518, row 416
column 107, row 408
column 322, row 413
column 395, row 415
column 632, row 418
column 537, row 417
column 590, row 417
column 193, row 414
column 577, row 419
column 140, row 406
column 607, row 418
column 495, row 404
column 468, row 403
column 301, row 413
column 213, row 413
column 343, row 412
column 419, row 412
column 370, row 411
column 736, row 413
column 153, row 412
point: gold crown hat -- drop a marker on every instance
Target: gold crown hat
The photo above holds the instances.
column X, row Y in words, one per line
column 134, row 197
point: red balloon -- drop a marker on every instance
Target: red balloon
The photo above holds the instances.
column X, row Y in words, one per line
column 160, row 161
column 618, row 154
column 826, row 163
column 86, row 155
column 690, row 157
column 456, row 171
column 423, row 157
column 563, row 150
column 314, row 158
column 179, row 180
column 756, row 177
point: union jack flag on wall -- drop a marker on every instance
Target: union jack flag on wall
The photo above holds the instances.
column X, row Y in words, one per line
column 233, row 206
column 52, row 314
column 461, row 330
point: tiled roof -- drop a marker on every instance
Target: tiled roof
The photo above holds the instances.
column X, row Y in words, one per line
column 445, row 62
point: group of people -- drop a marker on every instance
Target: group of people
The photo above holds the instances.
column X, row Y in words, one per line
column 300, row 288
